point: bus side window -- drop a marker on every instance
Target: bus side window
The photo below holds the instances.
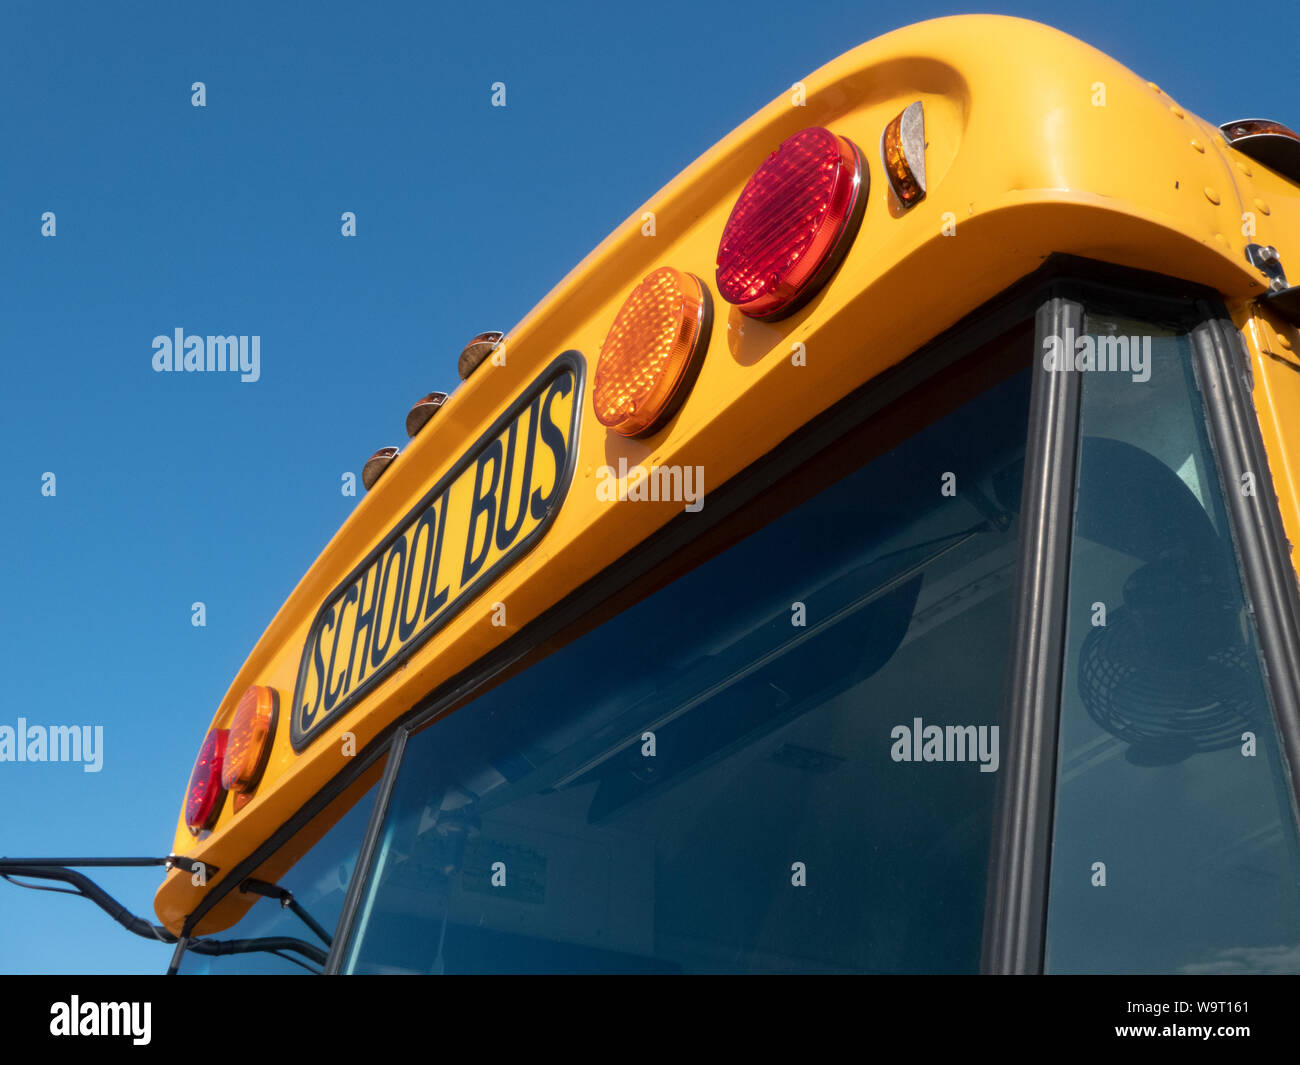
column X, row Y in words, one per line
column 1174, row 840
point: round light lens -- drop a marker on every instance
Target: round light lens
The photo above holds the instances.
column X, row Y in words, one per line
column 792, row 224
column 203, row 798
column 249, row 743
column 652, row 352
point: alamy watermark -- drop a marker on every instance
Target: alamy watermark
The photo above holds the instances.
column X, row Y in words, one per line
column 79, row 1018
column 919, row 742
column 1116, row 354
column 680, row 484
column 215, row 354
column 53, row 743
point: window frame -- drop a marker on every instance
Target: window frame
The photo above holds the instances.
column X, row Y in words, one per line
column 1016, row 918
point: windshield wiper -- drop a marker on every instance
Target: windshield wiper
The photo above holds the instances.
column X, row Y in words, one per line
column 268, row 944
column 59, row 869
column 287, row 902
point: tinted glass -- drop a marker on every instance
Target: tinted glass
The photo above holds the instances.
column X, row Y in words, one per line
column 318, row 882
column 1175, row 846
column 784, row 760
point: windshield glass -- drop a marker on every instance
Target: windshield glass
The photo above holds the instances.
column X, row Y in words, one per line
column 317, row 882
column 784, row 760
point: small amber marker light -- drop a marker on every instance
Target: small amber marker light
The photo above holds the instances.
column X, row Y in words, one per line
column 376, row 465
column 249, row 744
column 1257, row 127
column 1268, row 142
column 478, row 349
column 422, row 410
column 652, row 352
column 902, row 150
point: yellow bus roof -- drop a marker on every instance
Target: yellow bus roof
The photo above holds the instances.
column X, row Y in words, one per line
column 1037, row 144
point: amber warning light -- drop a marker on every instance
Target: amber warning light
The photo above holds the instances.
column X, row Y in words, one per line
column 249, row 742
column 652, row 352
column 902, row 151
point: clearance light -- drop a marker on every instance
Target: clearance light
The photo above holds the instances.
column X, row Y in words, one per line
column 249, row 744
column 652, row 352
column 1255, row 127
column 1271, row 143
column 902, row 150
column 792, row 224
column 203, row 799
column 376, row 465
column 478, row 349
column 424, row 409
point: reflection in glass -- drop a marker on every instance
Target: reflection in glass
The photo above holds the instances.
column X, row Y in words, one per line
column 318, row 883
column 708, row 781
column 1174, row 840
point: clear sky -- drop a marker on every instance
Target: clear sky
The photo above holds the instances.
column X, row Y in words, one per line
column 176, row 488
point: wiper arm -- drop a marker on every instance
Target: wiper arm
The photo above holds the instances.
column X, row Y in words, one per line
column 287, row 902
column 57, row 869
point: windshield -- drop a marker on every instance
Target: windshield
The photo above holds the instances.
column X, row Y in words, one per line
column 785, row 760
column 317, row 884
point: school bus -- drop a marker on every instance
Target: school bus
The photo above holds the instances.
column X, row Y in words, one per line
column 874, row 556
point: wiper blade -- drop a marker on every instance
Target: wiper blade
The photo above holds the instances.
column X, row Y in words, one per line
column 269, row 944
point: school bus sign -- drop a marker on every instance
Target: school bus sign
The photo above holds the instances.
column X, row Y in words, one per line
column 493, row 506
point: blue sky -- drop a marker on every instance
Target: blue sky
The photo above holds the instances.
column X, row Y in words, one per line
column 177, row 488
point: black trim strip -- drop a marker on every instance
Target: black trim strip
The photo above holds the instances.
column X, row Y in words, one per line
column 1016, row 904
column 365, row 855
column 1222, row 367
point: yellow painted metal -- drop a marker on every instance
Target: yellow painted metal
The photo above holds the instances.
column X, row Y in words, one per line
column 1037, row 143
column 1274, row 348
column 442, row 552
